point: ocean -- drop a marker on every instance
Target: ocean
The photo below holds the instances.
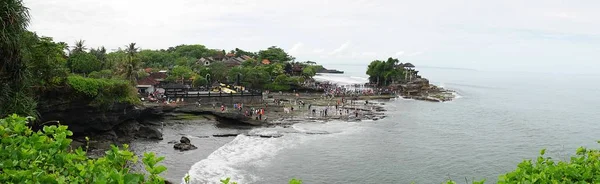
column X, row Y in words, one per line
column 497, row 120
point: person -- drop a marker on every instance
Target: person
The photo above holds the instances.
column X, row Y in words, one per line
column 222, row 108
column 292, row 108
column 314, row 112
column 325, row 112
column 309, row 105
column 356, row 114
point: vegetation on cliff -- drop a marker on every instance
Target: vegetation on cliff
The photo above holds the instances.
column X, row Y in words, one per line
column 385, row 72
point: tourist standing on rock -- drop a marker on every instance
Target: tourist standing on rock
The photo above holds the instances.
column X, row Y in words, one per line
column 325, row 111
column 222, row 108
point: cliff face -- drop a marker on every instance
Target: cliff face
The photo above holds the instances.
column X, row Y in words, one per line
column 83, row 119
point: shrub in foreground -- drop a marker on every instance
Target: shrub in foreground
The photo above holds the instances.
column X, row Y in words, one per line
column 44, row 157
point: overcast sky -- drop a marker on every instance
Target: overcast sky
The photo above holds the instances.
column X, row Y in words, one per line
column 516, row 35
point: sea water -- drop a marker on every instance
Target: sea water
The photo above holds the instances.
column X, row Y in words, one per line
column 500, row 119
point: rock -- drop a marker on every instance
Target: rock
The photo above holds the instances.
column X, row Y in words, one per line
column 149, row 133
column 225, row 135
column 127, row 129
column 184, row 144
column 76, row 144
column 172, row 142
column 184, row 147
column 184, row 140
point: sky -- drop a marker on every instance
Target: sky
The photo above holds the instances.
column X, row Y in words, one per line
column 559, row 36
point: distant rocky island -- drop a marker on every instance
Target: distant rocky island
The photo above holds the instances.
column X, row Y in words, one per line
column 392, row 75
column 325, row 70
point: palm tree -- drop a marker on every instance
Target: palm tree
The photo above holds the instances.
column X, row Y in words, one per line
column 132, row 62
column 79, row 46
column 131, row 49
column 15, row 96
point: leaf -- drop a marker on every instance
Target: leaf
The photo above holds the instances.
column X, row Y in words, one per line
column 542, row 151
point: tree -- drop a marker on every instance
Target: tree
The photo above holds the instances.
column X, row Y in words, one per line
column 274, row 54
column 199, row 81
column 308, row 71
column 132, row 63
column 102, row 74
column 15, row 95
column 218, row 71
column 100, row 54
column 180, row 73
column 131, row 50
column 385, row 72
column 83, row 62
column 79, row 47
column 192, row 51
column 44, row 59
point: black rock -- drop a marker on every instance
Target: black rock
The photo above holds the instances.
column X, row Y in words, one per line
column 184, row 146
column 149, row 133
column 184, row 140
column 225, row 135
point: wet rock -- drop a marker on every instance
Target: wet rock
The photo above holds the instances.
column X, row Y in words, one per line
column 76, row 144
column 127, row 128
column 184, row 140
column 149, row 133
column 225, row 135
column 184, row 145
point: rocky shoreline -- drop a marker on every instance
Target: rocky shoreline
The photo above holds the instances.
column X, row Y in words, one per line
column 123, row 123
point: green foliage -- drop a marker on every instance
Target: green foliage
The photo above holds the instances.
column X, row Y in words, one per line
column 583, row 167
column 157, row 58
column 218, row 71
column 44, row 59
column 385, row 72
column 295, row 181
column 100, row 54
column 45, row 157
column 102, row 74
column 104, row 92
column 200, row 81
column 180, row 73
column 193, row 51
column 309, row 71
column 275, row 55
column 83, row 62
column 14, row 18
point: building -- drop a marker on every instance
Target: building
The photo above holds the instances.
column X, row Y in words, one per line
column 265, row 62
column 147, row 85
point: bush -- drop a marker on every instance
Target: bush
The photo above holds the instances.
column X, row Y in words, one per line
column 44, row 157
column 104, row 92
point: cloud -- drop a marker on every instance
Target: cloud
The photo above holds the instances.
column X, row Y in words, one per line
column 340, row 49
column 399, row 53
column 296, row 48
column 317, row 51
column 415, row 54
column 368, row 54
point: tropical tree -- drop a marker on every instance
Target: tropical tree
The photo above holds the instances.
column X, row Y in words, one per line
column 274, row 54
column 131, row 49
column 15, row 95
column 44, row 59
column 180, row 73
column 79, row 47
column 132, row 63
column 100, row 54
column 83, row 62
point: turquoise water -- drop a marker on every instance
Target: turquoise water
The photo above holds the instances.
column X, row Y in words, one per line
column 499, row 119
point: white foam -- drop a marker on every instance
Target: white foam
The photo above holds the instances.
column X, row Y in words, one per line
column 243, row 151
column 341, row 79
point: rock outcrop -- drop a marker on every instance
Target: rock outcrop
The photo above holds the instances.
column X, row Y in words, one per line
column 149, row 132
column 184, row 145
